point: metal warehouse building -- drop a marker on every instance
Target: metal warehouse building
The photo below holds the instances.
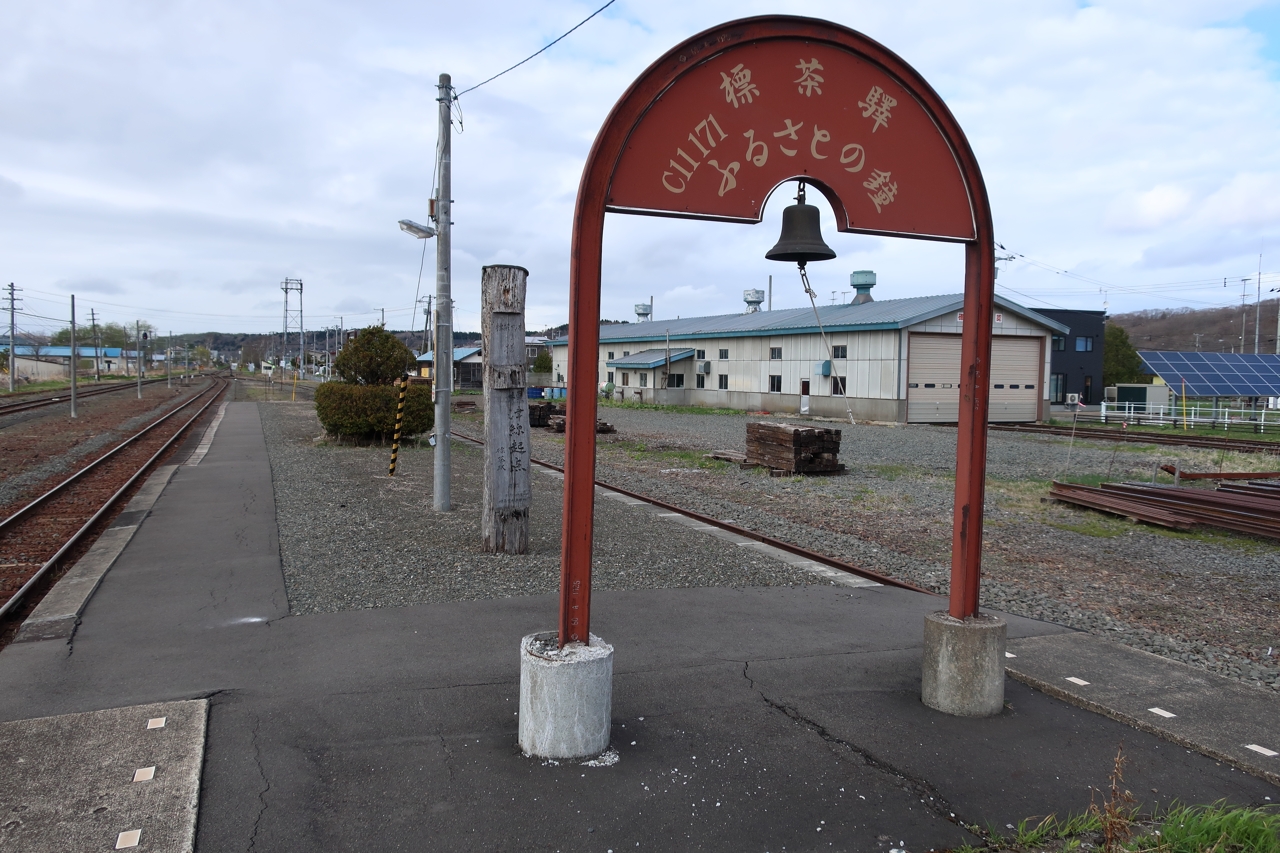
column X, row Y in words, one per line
column 896, row 360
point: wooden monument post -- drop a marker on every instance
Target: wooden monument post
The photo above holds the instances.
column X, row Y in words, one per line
column 505, row 515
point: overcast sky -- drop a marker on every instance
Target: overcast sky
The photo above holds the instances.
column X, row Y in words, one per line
column 175, row 161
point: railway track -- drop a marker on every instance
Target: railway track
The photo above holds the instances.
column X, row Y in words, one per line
column 1240, row 445
column 36, row 538
column 65, row 397
column 821, row 559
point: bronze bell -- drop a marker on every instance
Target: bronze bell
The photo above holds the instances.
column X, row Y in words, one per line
column 801, row 239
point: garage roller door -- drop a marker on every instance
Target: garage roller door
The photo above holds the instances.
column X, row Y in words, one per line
column 933, row 378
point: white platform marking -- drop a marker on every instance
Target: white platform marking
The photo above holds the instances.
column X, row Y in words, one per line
column 128, row 839
column 207, row 439
column 144, row 774
column 156, row 722
column 1010, row 655
column 1269, row 753
column 1161, row 712
column 1075, row 680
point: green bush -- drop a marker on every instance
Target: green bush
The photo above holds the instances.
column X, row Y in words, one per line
column 369, row 411
column 375, row 357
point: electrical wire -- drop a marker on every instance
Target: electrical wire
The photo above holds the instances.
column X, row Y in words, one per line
column 535, row 53
column 813, row 300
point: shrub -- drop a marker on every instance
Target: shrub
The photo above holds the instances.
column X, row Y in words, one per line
column 369, row 411
column 375, row 357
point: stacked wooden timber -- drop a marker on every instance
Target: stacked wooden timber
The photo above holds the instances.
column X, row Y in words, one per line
column 556, row 423
column 794, row 449
column 1252, row 508
column 539, row 413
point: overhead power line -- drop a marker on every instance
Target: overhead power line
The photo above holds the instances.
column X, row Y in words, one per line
column 535, row 53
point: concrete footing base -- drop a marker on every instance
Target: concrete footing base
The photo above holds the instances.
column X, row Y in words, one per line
column 566, row 697
column 963, row 665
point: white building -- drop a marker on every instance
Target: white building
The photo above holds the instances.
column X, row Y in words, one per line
column 895, row 361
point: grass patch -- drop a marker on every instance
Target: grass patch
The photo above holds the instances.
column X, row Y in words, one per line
column 1218, row 827
column 890, row 472
column 639, row 451
column 1096, row 525
column 682, row 410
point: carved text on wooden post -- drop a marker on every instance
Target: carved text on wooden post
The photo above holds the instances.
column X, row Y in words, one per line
column 505, row 515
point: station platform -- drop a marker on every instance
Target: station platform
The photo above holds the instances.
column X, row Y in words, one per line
column 743, row 719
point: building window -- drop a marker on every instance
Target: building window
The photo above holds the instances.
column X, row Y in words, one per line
column 1084, row 344
column 1057, row 388
column 775, row 353
column 700, row 354
column 723, row 383
column 1060, row 343
column 626, row 352
column 724, row 355
column 610, row 358
column 775, row 384
column 841, row 351
column 1087, row 396
column 675, row 380
column 626, row 378
column 837, row 386
column 644, row 380
column 610, row 376
column 701, row 380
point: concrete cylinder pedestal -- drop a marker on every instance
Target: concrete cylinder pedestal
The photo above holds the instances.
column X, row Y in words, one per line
column 963, row 664
column 566, row 697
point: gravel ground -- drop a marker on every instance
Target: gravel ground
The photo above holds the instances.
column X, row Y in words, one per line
column 352, row 538
column 1207, row 599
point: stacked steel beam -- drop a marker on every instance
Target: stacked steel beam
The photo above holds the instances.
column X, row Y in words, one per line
column 1252, row 508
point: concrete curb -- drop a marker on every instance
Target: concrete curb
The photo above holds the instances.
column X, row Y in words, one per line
column 56, row 616
column 1126, row 682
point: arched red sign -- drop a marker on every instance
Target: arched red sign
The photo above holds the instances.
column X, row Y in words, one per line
column 708, row 132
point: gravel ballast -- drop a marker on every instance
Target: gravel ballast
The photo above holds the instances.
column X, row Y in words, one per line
column 351, row 537
column 1206, row 599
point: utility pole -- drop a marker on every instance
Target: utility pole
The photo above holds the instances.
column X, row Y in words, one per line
column 1257, row 311
column 1198, row 336
column 168, row 360
column 137, row 334
column 444, row 303
column 97, row 347
column 73, row 360
column 384, row 318
column 426, row 323
column 13, row 346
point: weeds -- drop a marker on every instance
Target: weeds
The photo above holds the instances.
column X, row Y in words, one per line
column 1218, row 828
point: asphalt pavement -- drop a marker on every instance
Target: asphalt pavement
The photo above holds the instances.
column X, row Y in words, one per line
column 743, row 719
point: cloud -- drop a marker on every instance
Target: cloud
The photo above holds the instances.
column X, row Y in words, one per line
column 10, row 190
column 235, row 144
column 91, row 285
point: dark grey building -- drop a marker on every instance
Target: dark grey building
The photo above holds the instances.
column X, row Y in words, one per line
column 1075, row 359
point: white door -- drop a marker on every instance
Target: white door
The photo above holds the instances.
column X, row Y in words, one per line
column 933, row 378
column 1016, row 368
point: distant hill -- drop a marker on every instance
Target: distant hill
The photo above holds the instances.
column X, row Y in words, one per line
column 1219, row 328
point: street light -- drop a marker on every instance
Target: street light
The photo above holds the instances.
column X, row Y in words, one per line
column 422, row 232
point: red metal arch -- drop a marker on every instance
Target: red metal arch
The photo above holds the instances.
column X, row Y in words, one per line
column 584, row 298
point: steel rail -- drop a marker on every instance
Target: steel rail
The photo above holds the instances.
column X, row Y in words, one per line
column 4, row 525
column 27, row 405
column 799, row 551
column 105, row 508
column 1242, row 445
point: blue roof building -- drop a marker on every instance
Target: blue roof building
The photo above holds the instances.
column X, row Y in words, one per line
column 896, row 360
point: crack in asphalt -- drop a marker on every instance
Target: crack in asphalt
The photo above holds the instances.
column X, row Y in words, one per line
column 930, row 797
column 262, row 795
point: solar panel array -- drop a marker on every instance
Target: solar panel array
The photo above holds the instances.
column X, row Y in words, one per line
column 1216, row 374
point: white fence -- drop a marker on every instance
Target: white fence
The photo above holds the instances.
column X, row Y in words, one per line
column 1192, row 415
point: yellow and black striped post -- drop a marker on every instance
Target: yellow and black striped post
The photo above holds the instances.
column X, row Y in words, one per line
column 395, row 442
